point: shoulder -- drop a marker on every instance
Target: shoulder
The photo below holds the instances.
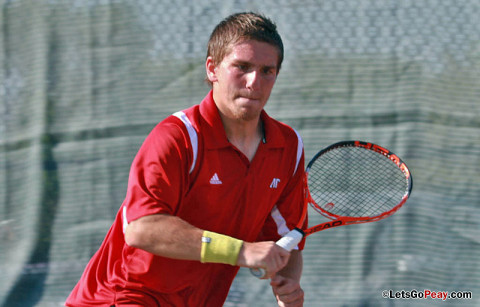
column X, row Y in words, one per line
column 283, row 136
column 180, row 131
column 179, row 125
column 282, row 132
column 289, row 132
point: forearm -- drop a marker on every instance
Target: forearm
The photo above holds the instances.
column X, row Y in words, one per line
column 294, row 267
column 286, row 283
column 165, row 235
column 171, row 237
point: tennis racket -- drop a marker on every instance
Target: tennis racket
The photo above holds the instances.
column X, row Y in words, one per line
column 350, row 182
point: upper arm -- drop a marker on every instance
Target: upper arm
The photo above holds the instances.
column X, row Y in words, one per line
column 158, row 174
column 165, row 235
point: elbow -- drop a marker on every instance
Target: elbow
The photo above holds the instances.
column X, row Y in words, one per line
column 133, row 236
column 143, row 233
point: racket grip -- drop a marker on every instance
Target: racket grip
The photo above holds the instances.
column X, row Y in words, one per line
column 287, row 242
column 291, row 239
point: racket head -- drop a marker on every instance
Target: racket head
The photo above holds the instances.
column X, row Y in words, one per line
column 357, row 182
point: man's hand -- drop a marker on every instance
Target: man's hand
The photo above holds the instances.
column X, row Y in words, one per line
column 287, row 291
column 266, row 255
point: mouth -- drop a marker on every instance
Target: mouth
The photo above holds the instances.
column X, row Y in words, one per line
column 249, row 98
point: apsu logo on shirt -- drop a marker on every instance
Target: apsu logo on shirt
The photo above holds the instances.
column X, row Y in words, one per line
column 274, row 183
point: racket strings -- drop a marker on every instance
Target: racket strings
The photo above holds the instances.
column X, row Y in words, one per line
column 355, row 182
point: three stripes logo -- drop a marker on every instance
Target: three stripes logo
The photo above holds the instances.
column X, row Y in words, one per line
column 215, row 179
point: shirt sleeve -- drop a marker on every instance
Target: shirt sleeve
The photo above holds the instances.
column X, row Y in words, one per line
column 287, row 212
column 159, row 172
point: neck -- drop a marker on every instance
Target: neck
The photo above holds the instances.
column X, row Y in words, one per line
column 244, row 135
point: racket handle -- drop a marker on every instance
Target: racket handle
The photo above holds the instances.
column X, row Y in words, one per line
column 258, row 273
column 287, row 242
column 291, row 239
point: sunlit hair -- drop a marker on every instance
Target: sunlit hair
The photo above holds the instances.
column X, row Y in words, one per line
column 241, row 27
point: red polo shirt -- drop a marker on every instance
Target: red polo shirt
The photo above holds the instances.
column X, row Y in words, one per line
column 187, row 168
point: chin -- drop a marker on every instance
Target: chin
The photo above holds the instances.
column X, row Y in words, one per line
column 248, row 109
column 249, row 115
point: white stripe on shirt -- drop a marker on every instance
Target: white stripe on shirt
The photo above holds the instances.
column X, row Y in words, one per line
column 299, row 150
column 192, row 134
column 282, row 228
column 281, row 222
column 125, row 220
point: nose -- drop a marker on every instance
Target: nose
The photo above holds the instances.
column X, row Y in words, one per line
column 253, row 80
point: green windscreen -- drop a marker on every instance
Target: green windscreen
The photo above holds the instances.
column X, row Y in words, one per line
column 82, row 82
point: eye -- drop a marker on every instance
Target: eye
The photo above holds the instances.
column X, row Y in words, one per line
column 268, row 70
column 242, row 67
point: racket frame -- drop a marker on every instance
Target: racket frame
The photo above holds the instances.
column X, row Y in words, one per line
column 291, row 240
column 338, row 220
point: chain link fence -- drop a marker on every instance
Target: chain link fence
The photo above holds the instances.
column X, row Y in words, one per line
column 82, row 82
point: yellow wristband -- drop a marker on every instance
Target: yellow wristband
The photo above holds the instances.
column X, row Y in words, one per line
column 217, row 248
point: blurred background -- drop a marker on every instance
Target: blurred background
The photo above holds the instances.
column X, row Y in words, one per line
column 82, row 82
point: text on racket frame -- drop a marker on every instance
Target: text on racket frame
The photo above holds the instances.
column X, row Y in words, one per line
column 326, row 225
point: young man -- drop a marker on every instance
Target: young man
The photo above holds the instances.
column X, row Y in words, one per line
column 210, row 190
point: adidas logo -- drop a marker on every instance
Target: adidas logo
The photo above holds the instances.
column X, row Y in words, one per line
column 215, row 179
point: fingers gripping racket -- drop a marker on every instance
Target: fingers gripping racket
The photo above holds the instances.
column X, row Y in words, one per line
column 350, row 182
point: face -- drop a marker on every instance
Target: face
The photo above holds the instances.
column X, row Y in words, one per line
column 243, row 80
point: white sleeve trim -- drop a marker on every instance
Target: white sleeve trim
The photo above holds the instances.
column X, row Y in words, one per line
column 125, row 220
column 192, row 134
column 282, row 228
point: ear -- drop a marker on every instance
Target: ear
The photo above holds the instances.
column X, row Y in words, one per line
column 211, row 69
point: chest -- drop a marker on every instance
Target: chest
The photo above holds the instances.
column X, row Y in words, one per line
column 229, row 192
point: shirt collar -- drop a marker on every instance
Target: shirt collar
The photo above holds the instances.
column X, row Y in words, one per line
column 214, row 132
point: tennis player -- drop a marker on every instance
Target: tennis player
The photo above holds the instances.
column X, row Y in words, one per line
column 210, row 190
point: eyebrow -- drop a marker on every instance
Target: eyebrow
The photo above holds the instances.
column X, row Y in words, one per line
column 243, row 62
